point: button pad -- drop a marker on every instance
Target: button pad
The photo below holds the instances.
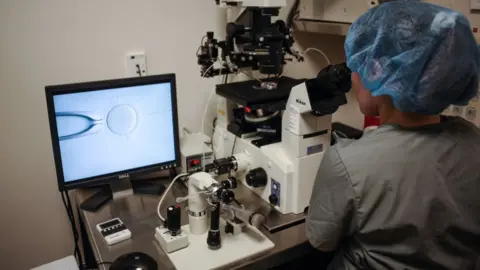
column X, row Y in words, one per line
column 112, row 230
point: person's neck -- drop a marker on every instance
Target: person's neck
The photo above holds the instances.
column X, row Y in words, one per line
column 391, row 115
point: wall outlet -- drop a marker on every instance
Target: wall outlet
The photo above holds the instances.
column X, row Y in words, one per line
column 135, row 64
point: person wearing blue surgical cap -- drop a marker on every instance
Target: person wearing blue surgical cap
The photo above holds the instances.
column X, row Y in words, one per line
column 407, row 195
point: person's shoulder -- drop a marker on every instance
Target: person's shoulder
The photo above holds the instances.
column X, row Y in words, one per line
column 375, row 150
column 460, row 125
column 372, row 143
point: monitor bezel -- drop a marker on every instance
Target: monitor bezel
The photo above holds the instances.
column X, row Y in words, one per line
column 53, row 90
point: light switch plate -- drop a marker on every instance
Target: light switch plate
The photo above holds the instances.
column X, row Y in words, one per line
column 136, row 64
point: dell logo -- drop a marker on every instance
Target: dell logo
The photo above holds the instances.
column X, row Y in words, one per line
column 301, row 102
column 123, row 176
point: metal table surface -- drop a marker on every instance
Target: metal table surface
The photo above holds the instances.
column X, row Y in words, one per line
column 138, row 212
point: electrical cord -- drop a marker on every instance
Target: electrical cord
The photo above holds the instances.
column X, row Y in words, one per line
column 319, row 51
column 233, row 146
column 208, row 69
column 201, row 44
column 336, row 132
column 307, row 51
column 72, row 223
column 251, row 76
column 261, row 119
column 71, row 217
column 165, row 194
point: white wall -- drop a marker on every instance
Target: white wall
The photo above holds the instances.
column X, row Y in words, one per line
column 56, row 41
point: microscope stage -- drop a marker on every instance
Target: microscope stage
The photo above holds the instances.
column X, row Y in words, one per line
column 248, row 94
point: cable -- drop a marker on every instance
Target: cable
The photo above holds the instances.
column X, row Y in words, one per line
column 233, row 146
column 173, row 173
column 261, row 119
column 319, row 51
column 336, row 132
column 249, row 75
column 208, row 69
column 165, row 194
column 71, row 217
column 201, row 44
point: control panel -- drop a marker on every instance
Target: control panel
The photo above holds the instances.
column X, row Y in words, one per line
column 195, row 163
column 114, row 231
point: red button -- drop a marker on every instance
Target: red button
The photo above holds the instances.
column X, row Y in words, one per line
column 248, row 110
column 475, row 29
column 196, row 162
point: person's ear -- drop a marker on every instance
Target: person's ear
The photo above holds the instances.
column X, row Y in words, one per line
column 367, row 103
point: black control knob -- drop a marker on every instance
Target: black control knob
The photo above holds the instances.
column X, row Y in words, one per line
column 257, row 178
column 227, row 196
column 173, row 219
column 230, row 183
column 273, row 199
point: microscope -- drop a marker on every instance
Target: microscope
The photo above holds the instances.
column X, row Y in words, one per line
column 254, row 41
column 270, row 133
column 270, row 136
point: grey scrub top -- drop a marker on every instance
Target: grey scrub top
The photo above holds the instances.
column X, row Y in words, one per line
column 400, row 199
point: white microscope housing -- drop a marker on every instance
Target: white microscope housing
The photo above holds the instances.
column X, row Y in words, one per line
column 283, row 173
column 198, row 183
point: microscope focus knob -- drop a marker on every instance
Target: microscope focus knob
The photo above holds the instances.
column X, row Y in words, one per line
column 273, row 199
column 257, row 178
column 227, row 196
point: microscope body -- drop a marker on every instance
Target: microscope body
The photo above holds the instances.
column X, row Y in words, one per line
column 283, row 173
column 281, row 126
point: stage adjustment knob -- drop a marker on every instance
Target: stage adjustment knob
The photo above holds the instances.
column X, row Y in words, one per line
column 257, row 178
column 273, row 199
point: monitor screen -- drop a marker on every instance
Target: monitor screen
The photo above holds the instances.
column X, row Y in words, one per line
column 106, row 131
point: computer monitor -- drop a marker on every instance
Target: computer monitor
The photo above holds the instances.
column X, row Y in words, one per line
column 108, row 130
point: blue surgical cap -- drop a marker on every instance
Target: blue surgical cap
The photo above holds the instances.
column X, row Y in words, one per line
column 423, row 56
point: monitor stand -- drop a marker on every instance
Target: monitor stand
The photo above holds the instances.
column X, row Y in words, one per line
column 119, row 189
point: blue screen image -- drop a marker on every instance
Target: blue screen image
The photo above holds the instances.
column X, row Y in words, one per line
column 108, row 131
